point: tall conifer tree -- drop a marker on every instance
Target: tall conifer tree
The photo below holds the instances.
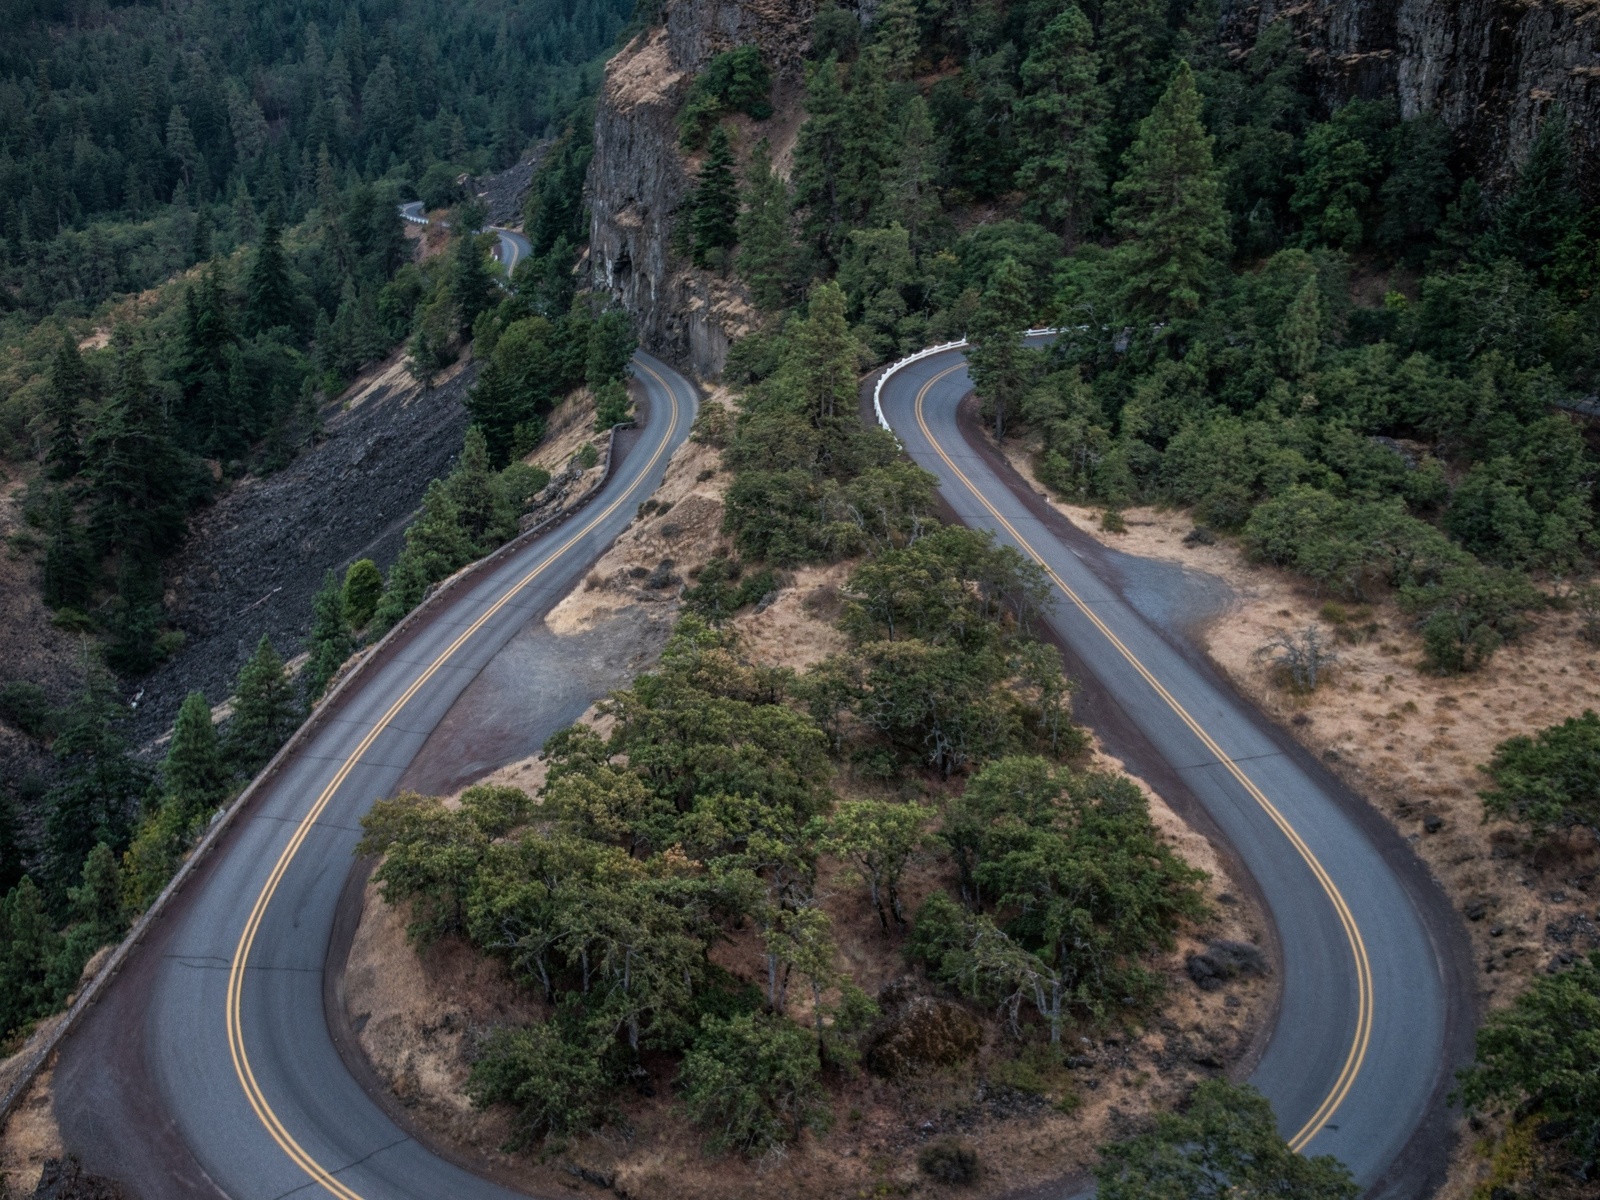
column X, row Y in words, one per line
column 766, row 248
column 1059, row 124
column 269, row 291
column 1169, row 208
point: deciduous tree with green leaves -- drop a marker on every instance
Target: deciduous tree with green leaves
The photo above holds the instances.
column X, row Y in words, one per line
column 1224, row 1142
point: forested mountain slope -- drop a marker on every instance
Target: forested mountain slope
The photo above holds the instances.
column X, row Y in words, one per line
column 200, row 247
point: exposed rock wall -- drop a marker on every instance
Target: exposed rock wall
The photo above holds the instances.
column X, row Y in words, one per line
column 1490, row 68
column 639, row 178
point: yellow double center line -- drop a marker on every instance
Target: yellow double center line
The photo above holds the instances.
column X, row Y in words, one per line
column 241, row 955
column 1358, row 948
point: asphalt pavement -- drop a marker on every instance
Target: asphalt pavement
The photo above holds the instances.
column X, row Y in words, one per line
column 1375, row 1006
column 209, row 1066
column 511, row 249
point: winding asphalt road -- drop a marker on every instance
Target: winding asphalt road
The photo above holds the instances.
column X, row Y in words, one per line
column 1372, row 1018
column 209, row 1066
column 511, row 249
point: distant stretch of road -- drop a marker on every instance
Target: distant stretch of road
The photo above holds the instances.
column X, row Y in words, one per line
column 511, row 249
column 1374, row 1010
column 208, row 1067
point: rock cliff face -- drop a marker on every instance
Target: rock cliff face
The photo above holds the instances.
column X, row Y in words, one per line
column 638, row 177
column 1490, row 68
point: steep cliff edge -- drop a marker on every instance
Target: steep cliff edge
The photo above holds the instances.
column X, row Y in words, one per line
column 1491, row 69
column 638, row 177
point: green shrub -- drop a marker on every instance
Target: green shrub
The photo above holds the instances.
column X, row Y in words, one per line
column 1550, row 780
column 1224, row 1143
column 363, row 584
column 555, row 1077
column 949, row 1160
column 612, row 405
column 751, row 1082
column 1542, row 1054
column 25, row 705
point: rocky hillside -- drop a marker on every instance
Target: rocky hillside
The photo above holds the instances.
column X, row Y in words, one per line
column 1489, row 68
column 256, row 557
column 638, row 178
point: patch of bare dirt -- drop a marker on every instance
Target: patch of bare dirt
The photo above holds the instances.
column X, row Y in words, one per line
column 675, row 532
column 642, row 73
column 30, row 1137
column 1415, row 745
column 568, row 428
column 797, row 629
column 418, row 1015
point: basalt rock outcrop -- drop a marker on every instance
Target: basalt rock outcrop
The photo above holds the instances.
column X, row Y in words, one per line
column 639, row 178
column 1491, row 69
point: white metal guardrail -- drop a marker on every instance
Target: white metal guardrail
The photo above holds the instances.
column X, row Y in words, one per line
column 929, row 352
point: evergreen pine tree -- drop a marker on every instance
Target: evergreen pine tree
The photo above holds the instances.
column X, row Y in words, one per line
column 69, row 391
column 330, row 642
column 821, row 361
column 819, row 158
column 481, row 509
column 1133, row 40
column 206, row 411
column 140, row 479
column 363, row 584
column 766, row 249
column 471, row 283
column 715, row 211
column 1300, row 334
column 99, row 786
column 911, row 193
column 264, row 711
column 194, row 774
column 269, row 291
column 97, row 901
column 1543, row 208
column 68, row 577
column 897, row 38
column 1059, row 124
column 29, row 945
column 868, row 152
column 1001, row 364
column 1169, row 208
column 13, row 846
